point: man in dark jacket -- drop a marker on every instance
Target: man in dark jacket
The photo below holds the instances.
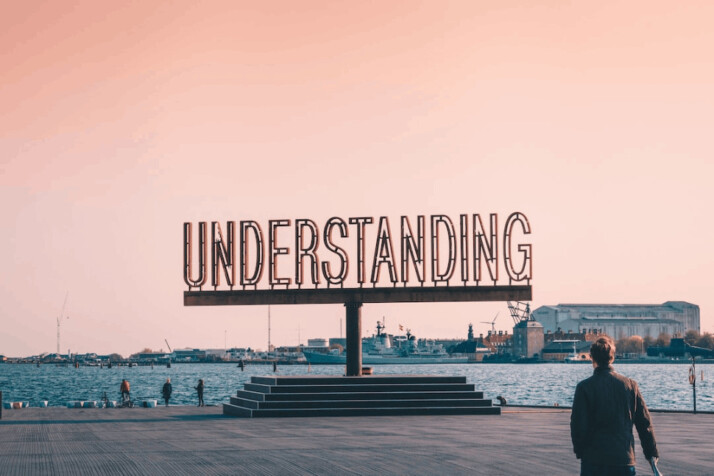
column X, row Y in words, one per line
column 166, row 390
column 605, row 407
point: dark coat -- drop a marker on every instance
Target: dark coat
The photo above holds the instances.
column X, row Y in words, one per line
column 605, row 407
column 167, row 390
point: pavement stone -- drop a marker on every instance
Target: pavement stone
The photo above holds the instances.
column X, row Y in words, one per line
column 191, row 440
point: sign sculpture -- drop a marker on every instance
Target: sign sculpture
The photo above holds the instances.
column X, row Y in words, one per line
column 358, row 260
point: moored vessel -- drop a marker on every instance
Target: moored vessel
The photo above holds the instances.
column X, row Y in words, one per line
column 383, row 348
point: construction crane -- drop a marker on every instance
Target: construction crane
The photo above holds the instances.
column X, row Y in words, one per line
column 493, row 323
column 59, row 321
column 167, row 345
column 520, row 312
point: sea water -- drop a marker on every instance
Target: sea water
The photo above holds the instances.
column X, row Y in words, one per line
column 664, row 386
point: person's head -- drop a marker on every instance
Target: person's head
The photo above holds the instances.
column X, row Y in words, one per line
column 168, row 380
column 200, row 380
column 603, row 351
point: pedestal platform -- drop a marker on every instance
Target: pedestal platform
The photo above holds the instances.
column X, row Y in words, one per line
column 358, row 396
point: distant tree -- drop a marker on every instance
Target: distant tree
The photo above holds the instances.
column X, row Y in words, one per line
column 663, row 340
column 630, row 345
column 691, row 337
column 145, row 351
column 338, row 347
column 706, row 340
column 115, row 358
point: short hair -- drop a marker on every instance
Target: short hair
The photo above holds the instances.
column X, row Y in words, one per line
column 603, row 351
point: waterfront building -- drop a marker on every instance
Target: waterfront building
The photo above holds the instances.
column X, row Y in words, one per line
column 238, row 353
column 528, row 339
column 317, row 343
column 620, row 320
column 341, row 341
column 590, row 336
column 151, row 357
column 498, row 342
column 566, row 350
column 189, row 355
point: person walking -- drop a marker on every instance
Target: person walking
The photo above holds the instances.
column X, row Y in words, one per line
column 199, row 391
column 605, row 408
column 166, row 391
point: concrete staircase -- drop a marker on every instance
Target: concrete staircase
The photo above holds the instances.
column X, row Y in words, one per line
column 358, row 396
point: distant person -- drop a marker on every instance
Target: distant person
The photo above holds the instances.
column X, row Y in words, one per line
column 199, row 391
column 605, row 407
column 275, row 366
column 241, row 365
column 124, row 389
column 166, row 391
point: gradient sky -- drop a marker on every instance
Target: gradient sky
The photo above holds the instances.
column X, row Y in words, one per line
column 119, row 121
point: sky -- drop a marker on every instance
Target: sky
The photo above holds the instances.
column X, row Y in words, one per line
column 120, row 121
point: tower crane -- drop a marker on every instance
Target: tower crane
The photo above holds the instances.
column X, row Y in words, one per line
column 167, row 345
column 520, row 312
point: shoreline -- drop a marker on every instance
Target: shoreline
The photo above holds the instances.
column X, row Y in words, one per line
column 291, row 363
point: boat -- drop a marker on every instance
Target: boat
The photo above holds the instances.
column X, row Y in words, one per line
column 383, row 348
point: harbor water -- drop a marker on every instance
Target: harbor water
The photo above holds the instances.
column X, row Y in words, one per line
column 664, row 386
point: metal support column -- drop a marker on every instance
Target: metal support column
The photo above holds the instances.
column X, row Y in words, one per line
column 354, row 338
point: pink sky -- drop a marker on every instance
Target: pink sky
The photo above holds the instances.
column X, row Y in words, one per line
column 121, row 121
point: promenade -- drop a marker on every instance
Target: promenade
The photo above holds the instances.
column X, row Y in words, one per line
column 201, row 441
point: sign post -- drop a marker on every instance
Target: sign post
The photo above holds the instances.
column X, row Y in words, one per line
column 354, row 338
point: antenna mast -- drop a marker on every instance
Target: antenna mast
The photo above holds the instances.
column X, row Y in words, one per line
column 59, row 321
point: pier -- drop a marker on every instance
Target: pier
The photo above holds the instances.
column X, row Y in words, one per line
column 191, row 440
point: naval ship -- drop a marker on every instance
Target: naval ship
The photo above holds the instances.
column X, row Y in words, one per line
column 383, row 348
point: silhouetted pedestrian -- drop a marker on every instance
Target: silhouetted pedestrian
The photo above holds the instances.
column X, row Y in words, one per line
column 241, row 365
column 166, row 391
column 199, row 391
column 275, row 366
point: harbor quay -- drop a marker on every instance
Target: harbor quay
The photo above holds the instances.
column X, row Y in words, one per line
column 201, row 440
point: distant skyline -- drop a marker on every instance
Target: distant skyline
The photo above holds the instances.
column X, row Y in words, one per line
column 120, row 122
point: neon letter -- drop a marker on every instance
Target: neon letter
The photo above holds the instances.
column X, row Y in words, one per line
column 340, row 252
column 526, row 270
column 188, row 255
column 383, row 252
column 222, row 254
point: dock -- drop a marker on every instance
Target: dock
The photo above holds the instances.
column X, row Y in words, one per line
column 190, row 440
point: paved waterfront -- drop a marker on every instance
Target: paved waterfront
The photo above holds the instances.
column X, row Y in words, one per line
column 201, row 441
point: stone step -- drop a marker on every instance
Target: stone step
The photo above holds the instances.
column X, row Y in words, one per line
column 411, row 403
column 229, row 409
column 364, row 387
column 261, row 397
column 373, row 379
